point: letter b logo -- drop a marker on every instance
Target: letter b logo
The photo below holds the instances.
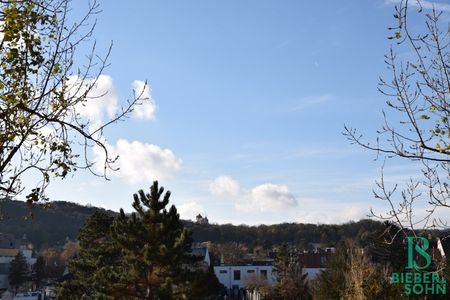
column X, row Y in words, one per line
column 420, row 249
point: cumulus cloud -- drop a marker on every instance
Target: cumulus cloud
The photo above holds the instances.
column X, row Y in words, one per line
column 145, row 108
column 102, row 99
column 268, row 198
column 139, row 162
column 224, row 186
column 188, row 211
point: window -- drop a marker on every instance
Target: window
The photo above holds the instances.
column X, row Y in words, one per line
column 223, row 272
column 237, row 275
column 4, row 268
column 263, row 274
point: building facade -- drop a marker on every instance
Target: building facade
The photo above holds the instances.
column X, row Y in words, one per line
column 236, row 276
column 9, row 248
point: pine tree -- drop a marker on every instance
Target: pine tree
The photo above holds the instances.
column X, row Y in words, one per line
column 37, row 271
column 154, row 245
column 98, row 254
column 18, row 271
column 139, row 256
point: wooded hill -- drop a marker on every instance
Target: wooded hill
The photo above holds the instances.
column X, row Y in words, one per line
column 51, row 226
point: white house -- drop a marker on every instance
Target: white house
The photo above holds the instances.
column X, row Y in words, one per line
column 235, row 276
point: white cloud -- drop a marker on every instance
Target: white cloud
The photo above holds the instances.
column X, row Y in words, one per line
column 145, row 108
column 188, row 211
column 320, row 210
column 46, row 133
column 435, row 5
column 354, row 213
column 224, row 186
column 101, row 100
column 267, row 197
column 139, row 162
column 425, row 4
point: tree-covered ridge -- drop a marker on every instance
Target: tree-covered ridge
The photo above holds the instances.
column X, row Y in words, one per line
column 52, row 225
column 291, row 233
column 44, row 224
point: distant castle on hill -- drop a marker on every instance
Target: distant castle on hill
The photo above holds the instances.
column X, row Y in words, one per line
column 202, row 220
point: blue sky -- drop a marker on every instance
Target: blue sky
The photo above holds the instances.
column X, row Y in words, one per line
column 248, row 103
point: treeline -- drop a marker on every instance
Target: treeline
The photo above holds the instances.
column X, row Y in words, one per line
column 52, row 225
column 287, row 233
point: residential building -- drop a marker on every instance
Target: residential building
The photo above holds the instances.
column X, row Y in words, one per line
column 201, row 251
column 9, row 248
column 235, row 276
